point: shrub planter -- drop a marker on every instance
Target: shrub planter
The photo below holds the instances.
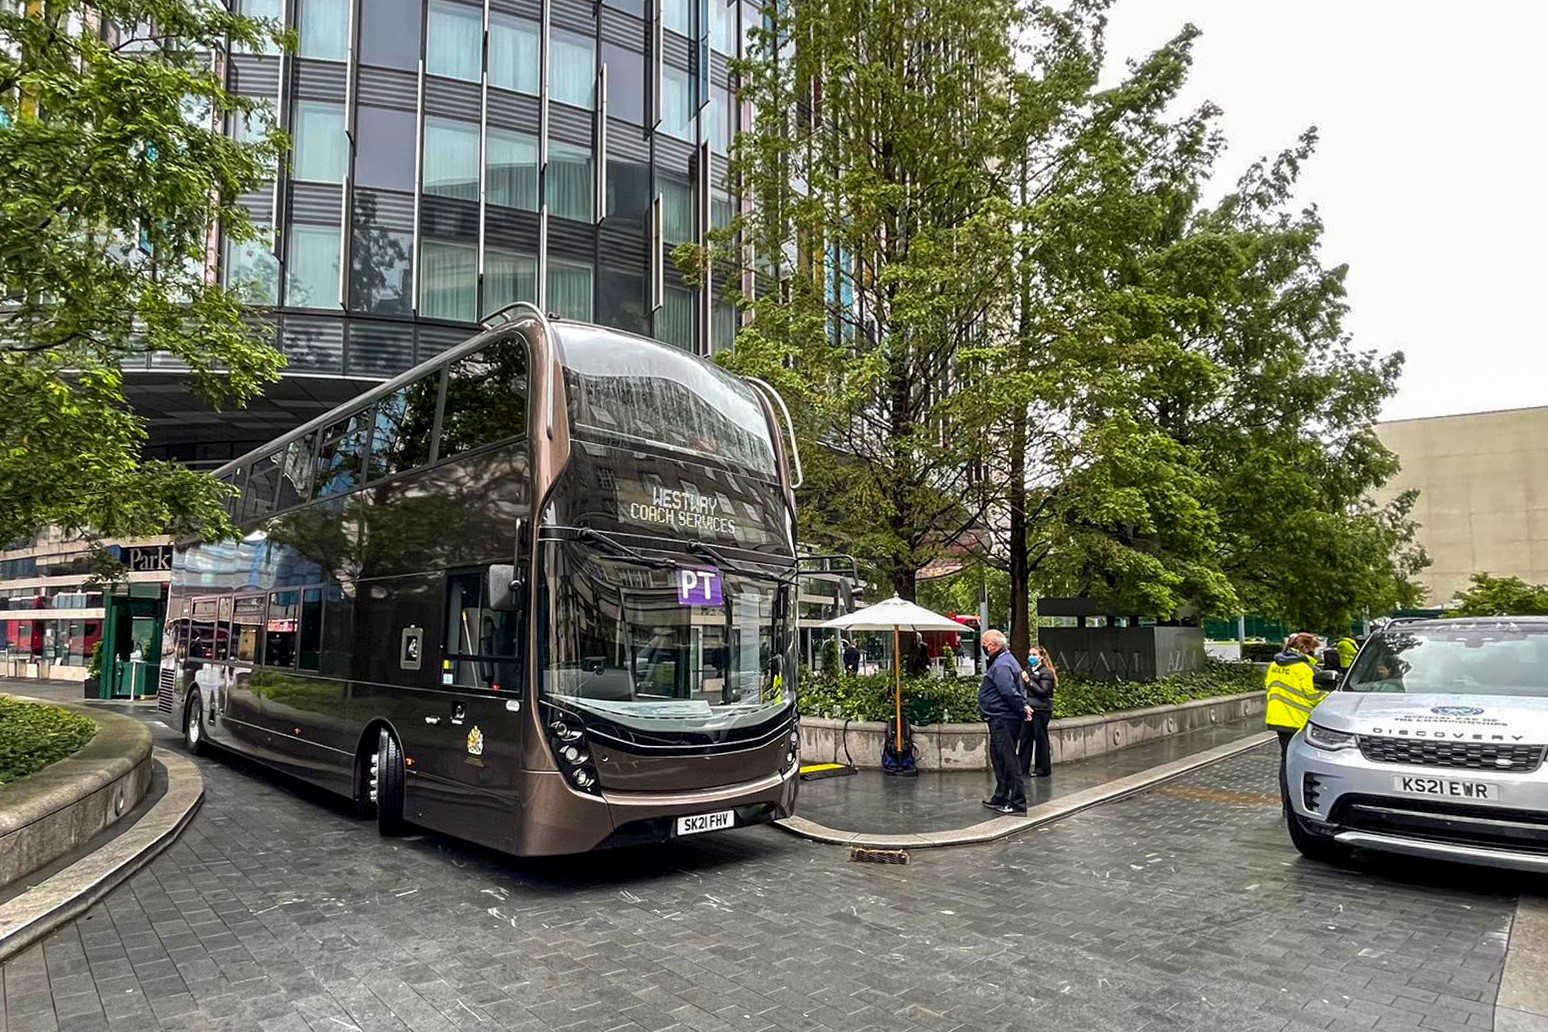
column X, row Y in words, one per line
column 966, row 746
column 48, row 814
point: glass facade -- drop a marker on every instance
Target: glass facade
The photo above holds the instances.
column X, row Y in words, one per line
column 423, row 195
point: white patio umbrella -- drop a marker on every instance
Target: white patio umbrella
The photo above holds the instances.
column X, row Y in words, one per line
column 895, row 615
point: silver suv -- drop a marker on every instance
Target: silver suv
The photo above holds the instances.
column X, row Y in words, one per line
column 1433, row 745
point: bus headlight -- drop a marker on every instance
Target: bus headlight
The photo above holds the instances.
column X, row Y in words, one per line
column 1327, row 738
column 567, row 739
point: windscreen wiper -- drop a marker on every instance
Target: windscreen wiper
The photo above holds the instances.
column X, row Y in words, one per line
column 618, row 548
column 723, row 561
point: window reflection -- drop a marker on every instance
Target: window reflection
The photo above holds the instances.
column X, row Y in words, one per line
column 486, row 397
column 252, row 270
column 405, row 421
column 379, row 261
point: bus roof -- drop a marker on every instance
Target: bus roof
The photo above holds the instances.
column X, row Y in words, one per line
column 553, row 329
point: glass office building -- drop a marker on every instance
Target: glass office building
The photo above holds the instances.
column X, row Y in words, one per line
column 450, row 158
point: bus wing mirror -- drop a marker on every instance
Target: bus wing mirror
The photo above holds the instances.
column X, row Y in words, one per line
column 500, row 587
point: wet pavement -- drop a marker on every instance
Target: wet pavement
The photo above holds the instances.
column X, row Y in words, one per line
column 875, row 803
column 1183, row 908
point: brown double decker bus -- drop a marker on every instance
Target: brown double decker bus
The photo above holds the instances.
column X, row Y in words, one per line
column 537, row 592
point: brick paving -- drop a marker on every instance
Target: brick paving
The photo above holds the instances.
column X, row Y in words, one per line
column 1179, row 910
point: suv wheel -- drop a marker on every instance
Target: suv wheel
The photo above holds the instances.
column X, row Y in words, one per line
column 1315, row 845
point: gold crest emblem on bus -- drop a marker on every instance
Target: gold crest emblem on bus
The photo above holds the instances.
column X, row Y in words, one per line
column 475, row 742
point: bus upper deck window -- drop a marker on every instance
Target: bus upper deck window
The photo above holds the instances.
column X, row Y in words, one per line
column 486, row 397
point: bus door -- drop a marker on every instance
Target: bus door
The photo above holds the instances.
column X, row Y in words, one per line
column 465, row 736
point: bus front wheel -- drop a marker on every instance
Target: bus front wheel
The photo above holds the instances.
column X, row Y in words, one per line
column 387, row 784
column 193, row 725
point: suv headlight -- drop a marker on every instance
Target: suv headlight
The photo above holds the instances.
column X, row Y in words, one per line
column 1326, row 738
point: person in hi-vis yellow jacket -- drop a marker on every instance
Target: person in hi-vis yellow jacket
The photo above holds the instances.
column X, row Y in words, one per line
column 1292, row 695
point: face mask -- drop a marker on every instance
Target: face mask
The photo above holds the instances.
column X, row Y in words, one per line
column 1034, row 660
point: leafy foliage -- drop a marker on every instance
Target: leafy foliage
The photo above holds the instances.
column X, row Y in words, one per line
column 937, row 700
column 32, row 736
column 1501, row 596
column 115, row 176
column 880, row 227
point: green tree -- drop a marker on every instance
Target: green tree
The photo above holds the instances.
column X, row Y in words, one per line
column 115, row 178
column 1206, row 437
column 880, row 227
column 1501, row 596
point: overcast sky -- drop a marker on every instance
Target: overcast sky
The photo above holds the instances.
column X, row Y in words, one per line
column 1430, row 175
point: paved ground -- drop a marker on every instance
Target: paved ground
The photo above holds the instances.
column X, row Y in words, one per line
column 871, row 801
column 1183, row 908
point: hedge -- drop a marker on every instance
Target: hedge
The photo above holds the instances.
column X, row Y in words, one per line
column 946, row 700
column 33, row 736
column 1261, row 651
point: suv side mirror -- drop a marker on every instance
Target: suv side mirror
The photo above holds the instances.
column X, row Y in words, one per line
column 1331, row 660
column 500, row 587
column 1327, row 680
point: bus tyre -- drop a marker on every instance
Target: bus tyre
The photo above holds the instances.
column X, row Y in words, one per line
column 1314, row 846
column 193, row 725
column 387, row 784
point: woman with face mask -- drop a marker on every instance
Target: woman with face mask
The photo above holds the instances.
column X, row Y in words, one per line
column 1039, row 679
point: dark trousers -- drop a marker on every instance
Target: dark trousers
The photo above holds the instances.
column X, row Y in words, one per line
column 1284, row 785
column 1032, row 740
column 1002, row 752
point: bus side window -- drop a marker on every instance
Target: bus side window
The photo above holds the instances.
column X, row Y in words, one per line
column 308, row 653
column 340, row 452
column 295, row 486
column 247, row 628
column 486, row 397
column 405, row 422
column 257, row 500
column 279, row 639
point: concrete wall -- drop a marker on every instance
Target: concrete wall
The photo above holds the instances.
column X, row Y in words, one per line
column 51, row 813
column 966, row 746
column 1483, row 494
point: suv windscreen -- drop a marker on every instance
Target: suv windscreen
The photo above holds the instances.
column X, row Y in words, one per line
column 1502, row 658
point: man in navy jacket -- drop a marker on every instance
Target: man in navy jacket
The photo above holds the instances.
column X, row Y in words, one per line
column 1003, row 705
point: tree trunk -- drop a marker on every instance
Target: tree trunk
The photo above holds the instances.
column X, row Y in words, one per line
column 905, row 580
column 1016, row 478
column 1020, row 622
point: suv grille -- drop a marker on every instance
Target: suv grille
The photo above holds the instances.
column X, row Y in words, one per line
column 1430, row 753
